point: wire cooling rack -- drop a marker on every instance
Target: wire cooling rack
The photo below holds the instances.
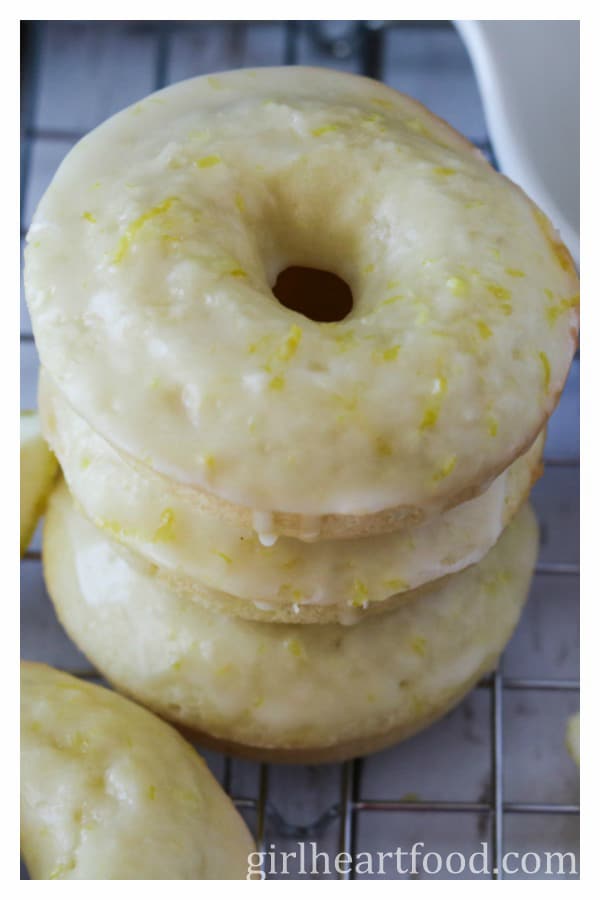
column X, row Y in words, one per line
column 493, row 771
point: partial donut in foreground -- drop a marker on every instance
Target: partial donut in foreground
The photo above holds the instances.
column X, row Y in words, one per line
column 306, row 693
column 38, row 471
column 109, row 791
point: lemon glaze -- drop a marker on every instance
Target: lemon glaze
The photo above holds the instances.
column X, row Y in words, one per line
column 109, row 791
column 272, row 685
column 149, row 270
column 328, row 580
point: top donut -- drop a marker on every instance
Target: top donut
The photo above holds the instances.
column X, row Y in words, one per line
column 150, row 268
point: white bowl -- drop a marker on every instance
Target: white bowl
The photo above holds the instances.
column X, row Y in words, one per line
column 528, row 75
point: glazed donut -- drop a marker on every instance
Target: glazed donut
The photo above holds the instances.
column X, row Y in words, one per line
column 151, row 266
column 292, row 580
column 38, row 471
column 109, row 791
column 291, row 693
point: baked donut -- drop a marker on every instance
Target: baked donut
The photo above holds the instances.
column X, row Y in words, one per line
column 289, row 693
column 38, row 471
column 152, row 262
column 292, row 580
column 109, row 791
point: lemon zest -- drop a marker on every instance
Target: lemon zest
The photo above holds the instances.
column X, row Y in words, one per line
column 457, row 286
column 166, row 530
column 497, row 291
column 417, row 126
column 135, row 227
column 223, row 556
column 260, row 344
column 432, row 410
column 423, row 315
column 345, row 340
column 207, row 162
column 395, row 584
column 391, row 353
column 360, row 594
column 290, row 343
column 62, row 869
column 387, row 355
column 115, row 527
column 546, row 367
column 375, row 117
column 324, row 129
column 419, row 645
column 553, row 312
column 484, row 329
column 295, row 647
column 391, row 300
column 492, row 425
column 445, row 469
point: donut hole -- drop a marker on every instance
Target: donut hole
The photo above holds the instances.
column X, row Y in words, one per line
column 314, row 293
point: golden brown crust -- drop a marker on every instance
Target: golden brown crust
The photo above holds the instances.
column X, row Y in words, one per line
column 324, row 614
column 336, row 752
column 333, row 526
column 320, row 692
column 256, row 593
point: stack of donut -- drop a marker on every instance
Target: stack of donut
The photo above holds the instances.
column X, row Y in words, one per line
column 300, row 343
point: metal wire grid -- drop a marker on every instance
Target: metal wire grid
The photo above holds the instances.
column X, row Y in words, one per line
column 366, row 41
